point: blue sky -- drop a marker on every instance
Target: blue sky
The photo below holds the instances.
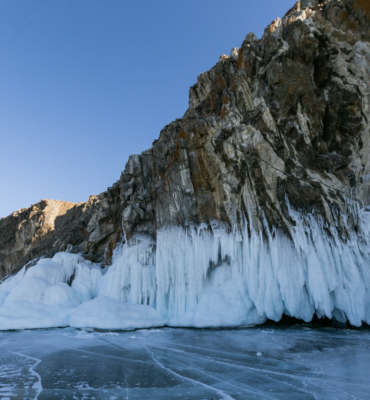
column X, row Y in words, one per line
column 86, row 83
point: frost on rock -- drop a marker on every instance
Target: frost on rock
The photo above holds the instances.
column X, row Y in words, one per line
column 201, row 277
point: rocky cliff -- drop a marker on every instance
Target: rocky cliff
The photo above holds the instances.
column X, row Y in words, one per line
column 51, row 226
column 281, row 124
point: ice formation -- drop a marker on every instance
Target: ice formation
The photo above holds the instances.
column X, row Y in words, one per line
column 201, row 276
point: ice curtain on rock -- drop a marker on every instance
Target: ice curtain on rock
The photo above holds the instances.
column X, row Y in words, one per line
column 199, row 277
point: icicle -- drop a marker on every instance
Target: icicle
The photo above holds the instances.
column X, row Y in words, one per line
column 210, row 276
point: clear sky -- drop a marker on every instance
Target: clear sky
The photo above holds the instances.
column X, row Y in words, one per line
column 86, row 83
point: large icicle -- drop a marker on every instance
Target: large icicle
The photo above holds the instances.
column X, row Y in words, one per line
column 131, row 278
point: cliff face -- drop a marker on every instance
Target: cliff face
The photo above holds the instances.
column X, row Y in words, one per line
column 283, row 118
column 282, row 123
column 51, row 226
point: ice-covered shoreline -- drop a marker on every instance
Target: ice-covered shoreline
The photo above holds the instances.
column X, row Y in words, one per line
column 200, row 277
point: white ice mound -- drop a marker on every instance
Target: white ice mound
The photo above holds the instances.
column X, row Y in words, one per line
column 33, row 315
column 201, row 277
column 47, row 270
column 62, row 295
column 39, row 296
column 31, row 289
column 2, row 297
column 106, row 313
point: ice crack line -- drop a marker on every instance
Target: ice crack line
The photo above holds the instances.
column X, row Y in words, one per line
column 37, row 385
column 257, row 392
column 4, row 343
column 240, row 367
column 112, row 344
column 220, row 380
column 92, row 352
column 219, row 392
column 260, row 370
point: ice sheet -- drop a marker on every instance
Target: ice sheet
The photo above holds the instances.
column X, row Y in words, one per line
column 258, row 363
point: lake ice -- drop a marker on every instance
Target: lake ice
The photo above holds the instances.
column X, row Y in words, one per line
column 266, row 362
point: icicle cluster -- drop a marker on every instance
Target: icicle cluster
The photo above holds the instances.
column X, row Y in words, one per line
column 202, row 277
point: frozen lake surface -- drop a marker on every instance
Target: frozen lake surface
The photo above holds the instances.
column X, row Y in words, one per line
column 266, row 362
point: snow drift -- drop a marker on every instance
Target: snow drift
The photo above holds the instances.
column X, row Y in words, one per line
column 201, row 276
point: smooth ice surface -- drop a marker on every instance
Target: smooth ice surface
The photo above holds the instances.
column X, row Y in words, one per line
column 202, row 276
column 269, row 362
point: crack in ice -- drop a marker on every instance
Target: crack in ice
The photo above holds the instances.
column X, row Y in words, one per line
column 219, row 392
column 115, row 345
column 228, row 383
column 294, row 377
column 36, row 385
column 96, row 354
column 265, row 371
column 218, row 379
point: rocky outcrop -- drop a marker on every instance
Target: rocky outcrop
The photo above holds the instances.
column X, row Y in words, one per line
column 283, row 120
column 51, row 226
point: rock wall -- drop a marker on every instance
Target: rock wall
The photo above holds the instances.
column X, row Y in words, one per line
column 281, row 118
column 283, row 121
column 51, row 226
